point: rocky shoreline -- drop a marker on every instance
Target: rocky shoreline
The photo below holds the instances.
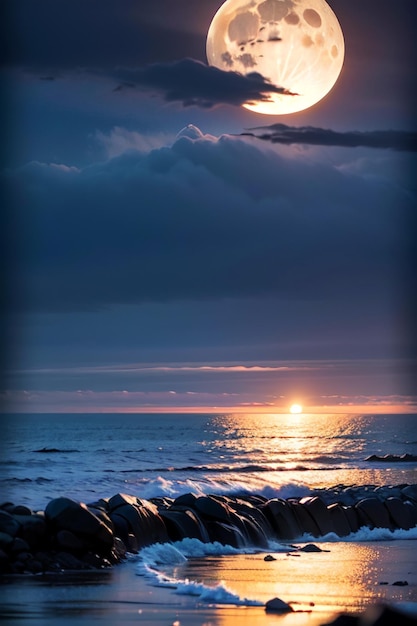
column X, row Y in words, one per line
column 70, row 535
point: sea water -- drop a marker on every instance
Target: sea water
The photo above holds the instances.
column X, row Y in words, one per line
column 91, row 456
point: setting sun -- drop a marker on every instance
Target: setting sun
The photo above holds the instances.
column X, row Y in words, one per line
column 296, row 408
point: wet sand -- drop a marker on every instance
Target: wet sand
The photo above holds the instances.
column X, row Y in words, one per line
column 318, row 586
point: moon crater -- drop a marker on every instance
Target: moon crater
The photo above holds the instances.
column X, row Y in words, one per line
column 296, row 45
column 312, row 18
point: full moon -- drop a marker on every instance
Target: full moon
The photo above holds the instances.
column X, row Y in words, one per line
column 296, row 45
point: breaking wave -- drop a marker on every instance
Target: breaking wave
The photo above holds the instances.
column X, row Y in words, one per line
column 158, row 556
column 160, row 487
column 156, row 562
column 365, row 534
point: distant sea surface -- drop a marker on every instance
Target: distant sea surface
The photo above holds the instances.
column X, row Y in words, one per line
column 91, row 456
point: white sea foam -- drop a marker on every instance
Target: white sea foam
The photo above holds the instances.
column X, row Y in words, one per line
column 162, row 554
column 179, row 551
column 365, row 534
column 156, row 560
column 218, row 594
column 172, row 488
column 191, row 547
column 214, row 595
column 159, row 556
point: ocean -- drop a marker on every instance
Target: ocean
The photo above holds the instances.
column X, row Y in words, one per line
column 92, row 456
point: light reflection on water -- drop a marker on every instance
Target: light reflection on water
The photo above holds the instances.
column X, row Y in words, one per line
column 318, row 450
column 300, row 436
column 96, row 456
column 345, row 577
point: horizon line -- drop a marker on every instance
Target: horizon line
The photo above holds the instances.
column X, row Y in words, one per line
column 267, row 410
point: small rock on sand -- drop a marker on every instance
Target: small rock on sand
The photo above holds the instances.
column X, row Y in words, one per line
column 311, row 547
column 276, row 605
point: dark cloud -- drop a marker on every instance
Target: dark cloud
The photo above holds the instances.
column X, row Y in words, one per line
column 308, row 135
column 203, row 219
column 194, row 83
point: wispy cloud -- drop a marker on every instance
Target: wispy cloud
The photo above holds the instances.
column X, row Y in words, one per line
column 309, row 135
column 185, row 368
column 194, row 83
column 123, row 401
column 120, row 140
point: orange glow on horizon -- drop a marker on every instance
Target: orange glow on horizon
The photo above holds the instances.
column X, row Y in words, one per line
column 266, row 409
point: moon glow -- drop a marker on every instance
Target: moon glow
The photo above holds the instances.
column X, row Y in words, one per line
column 296, row 45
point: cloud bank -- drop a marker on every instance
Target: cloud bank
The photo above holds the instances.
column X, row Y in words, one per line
column 201, row 219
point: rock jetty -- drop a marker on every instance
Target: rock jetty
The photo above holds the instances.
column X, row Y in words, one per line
column 70, row 535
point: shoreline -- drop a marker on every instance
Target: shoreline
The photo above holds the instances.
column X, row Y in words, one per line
column 119, row 595
column 71, row 535
column 210, row 560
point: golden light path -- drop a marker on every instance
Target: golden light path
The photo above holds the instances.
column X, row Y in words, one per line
column 296, row 45
column 343, row 578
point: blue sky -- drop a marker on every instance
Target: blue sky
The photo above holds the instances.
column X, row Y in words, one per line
column 247, row 261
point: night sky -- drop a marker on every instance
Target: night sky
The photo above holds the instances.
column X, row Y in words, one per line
column 246, row 261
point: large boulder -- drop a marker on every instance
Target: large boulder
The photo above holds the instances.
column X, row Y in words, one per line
column 181, row 523
column 162, row 502
column 186, row 499
column 141, row 516
column 339, row 520
column 252, row 532
column 318, row 511
column 20, row 509
column 8, row 524
column 102, row 516
column 121, row 499
column 67, row 540
column 282, row 519
column 410, row 492
column 33, row 529
column 372, row 513
column 399, row 513
column 155, row 525
column 212, row 508
column 412, row 508
column 245, row 508
column 226, row 534
column 352, row 518
column 305, row 521
column 134, row 521
column 255, row 500
column 67, row 514
column 121, row 527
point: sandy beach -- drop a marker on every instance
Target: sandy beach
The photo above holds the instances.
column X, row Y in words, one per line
column 344, row 577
